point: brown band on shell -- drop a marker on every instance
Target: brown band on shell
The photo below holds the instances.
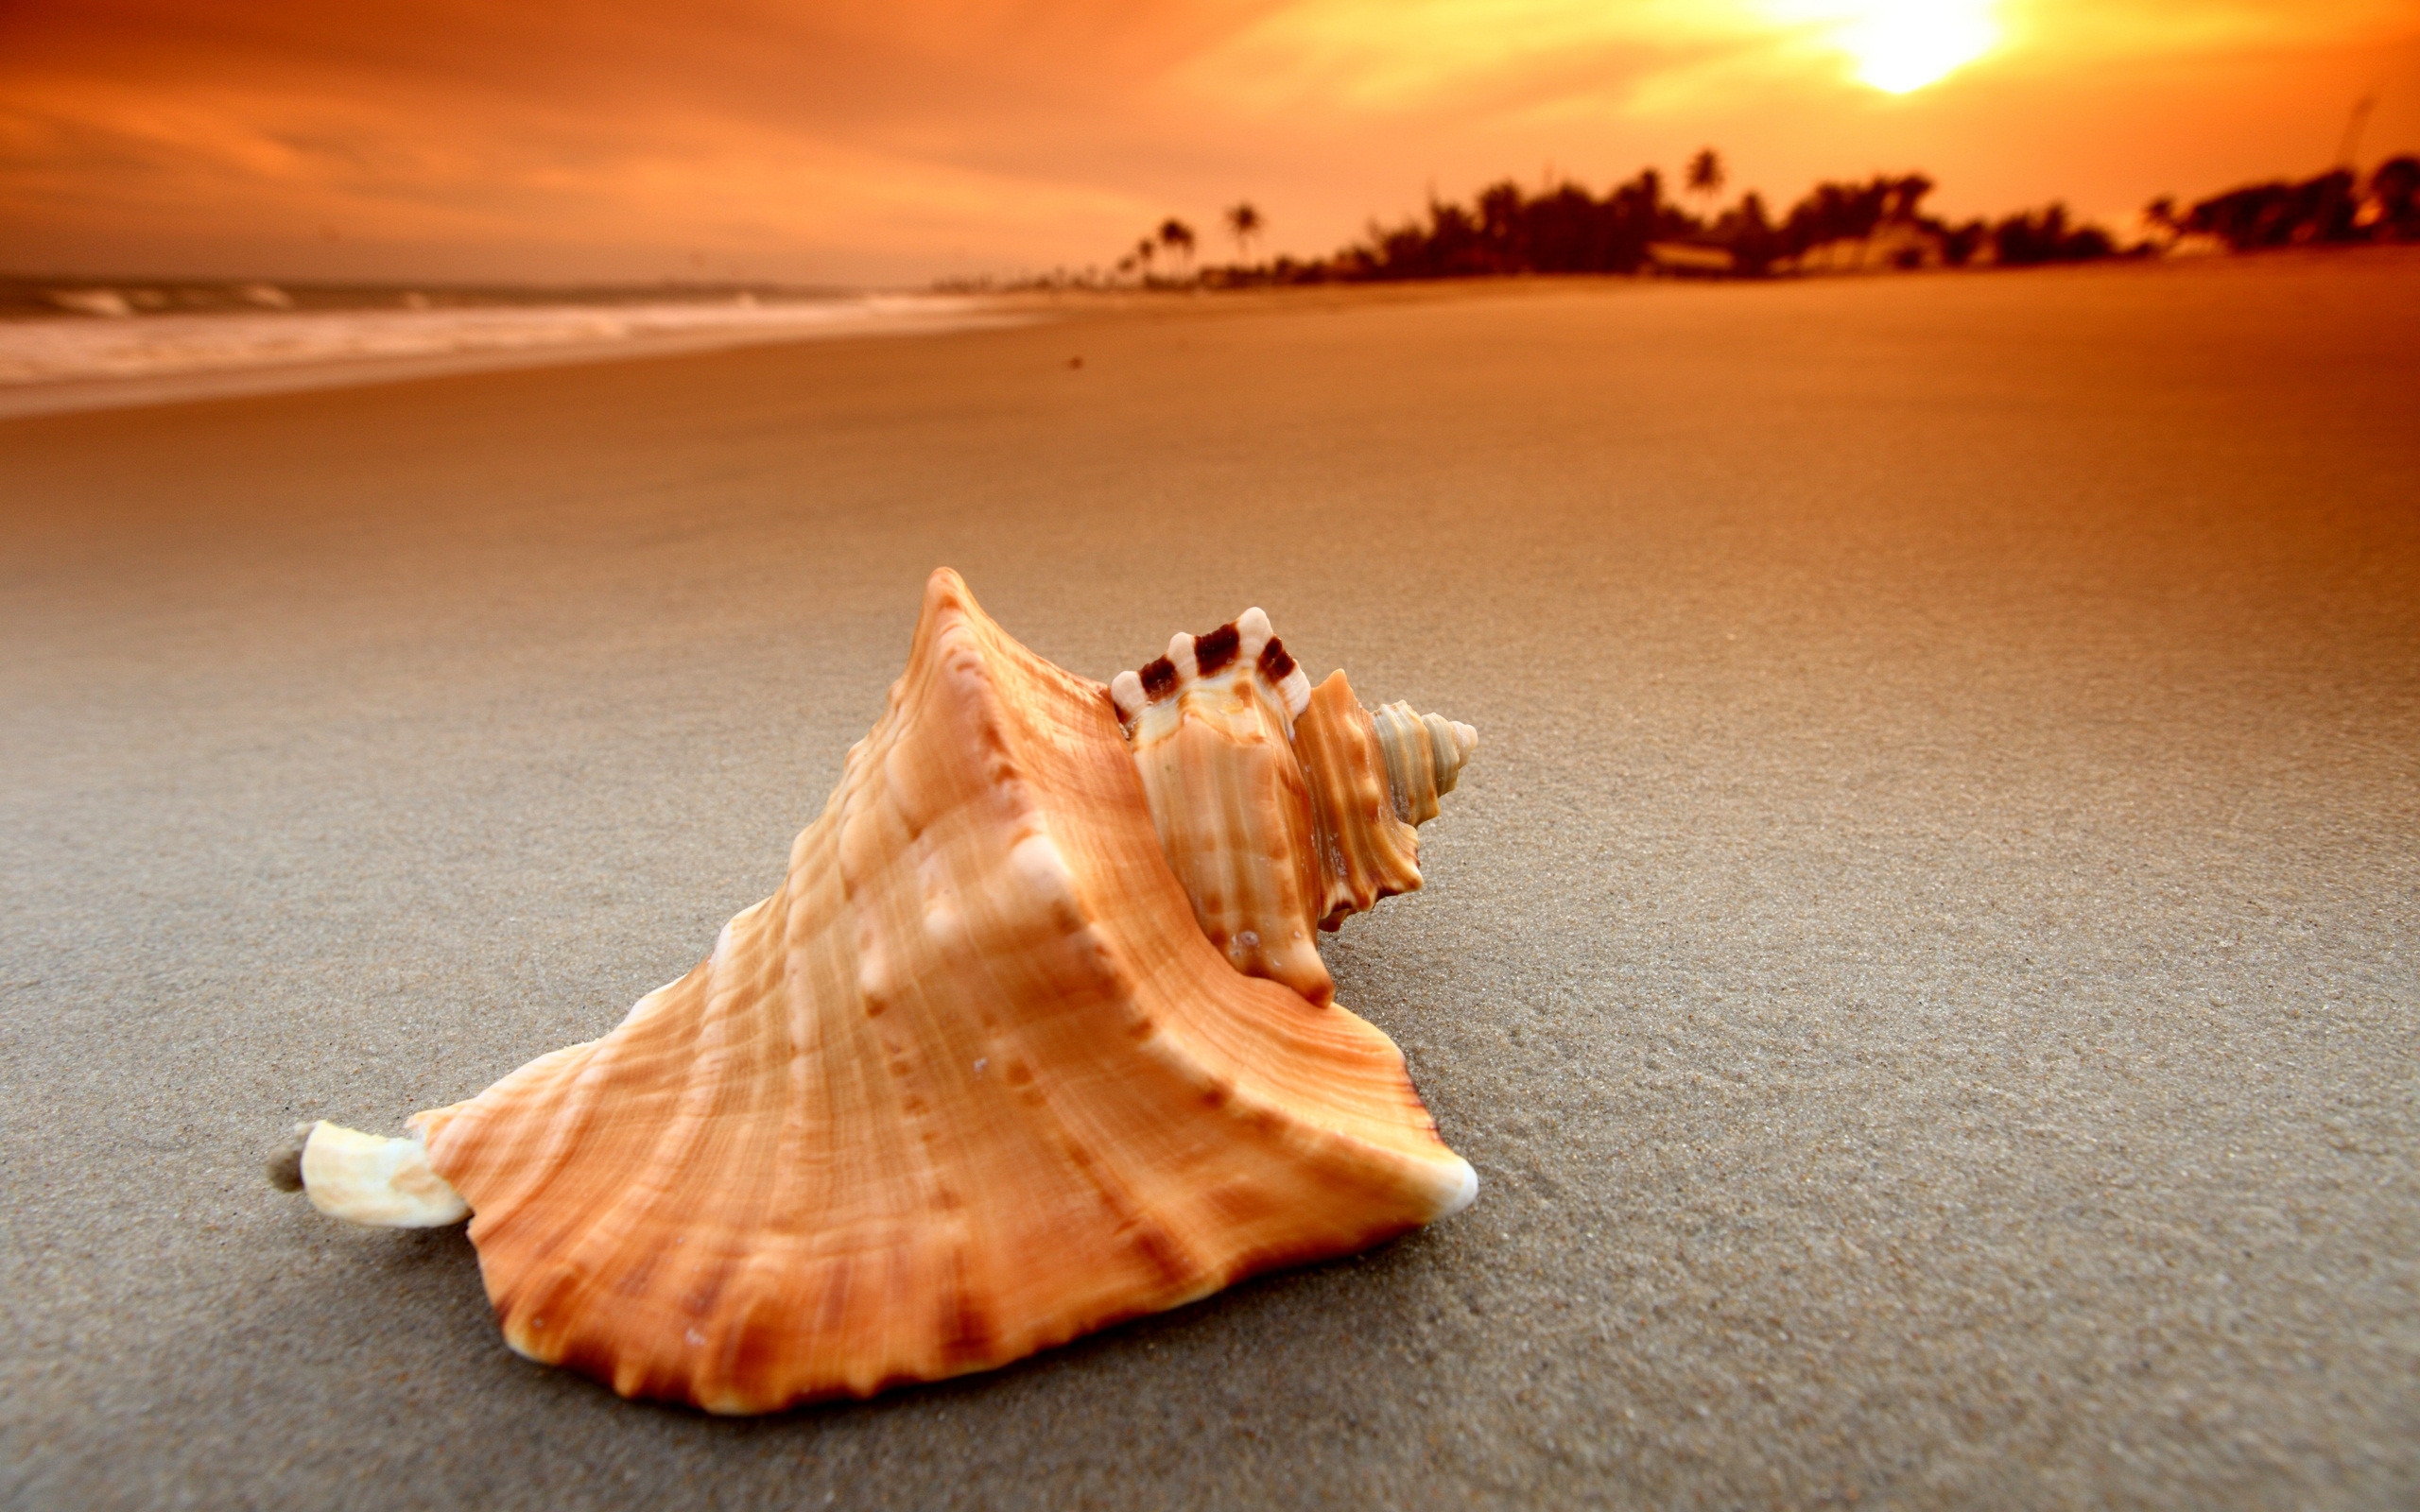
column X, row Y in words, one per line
column 973, row 1335
column 1159, row 679
column 1213, row 653
column 1274, row 663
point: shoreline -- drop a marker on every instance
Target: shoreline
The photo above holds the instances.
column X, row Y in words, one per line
column 1005, row 308
column 246, row 376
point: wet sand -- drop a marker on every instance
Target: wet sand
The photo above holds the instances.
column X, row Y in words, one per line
column 1923, row 960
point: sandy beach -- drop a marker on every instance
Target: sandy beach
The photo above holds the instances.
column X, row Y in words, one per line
column 1923, row 959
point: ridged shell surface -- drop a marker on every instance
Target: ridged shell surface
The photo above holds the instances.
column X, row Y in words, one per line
column 1212, row 726
column 971, row 1083
column 1282, row 808
column 1367, row 850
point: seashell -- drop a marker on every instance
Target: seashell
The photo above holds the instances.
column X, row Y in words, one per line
column 1282, row 808
column 969, row 1084
column 1425, row 755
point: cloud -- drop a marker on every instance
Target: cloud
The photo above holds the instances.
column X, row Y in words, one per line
column 862, row 140
column 837, row 146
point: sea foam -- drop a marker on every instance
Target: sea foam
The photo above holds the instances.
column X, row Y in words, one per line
column 68, row 349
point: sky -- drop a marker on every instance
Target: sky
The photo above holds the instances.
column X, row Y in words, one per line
column 885, row 143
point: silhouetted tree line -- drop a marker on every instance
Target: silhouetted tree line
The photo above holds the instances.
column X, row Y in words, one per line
column 2033, row 237
column 2330, row 209
column 1634, row 228
column 1564, row 231
column 1880, row 221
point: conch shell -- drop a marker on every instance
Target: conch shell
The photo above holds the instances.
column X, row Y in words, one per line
column 1281, row 808
column 969, row 1084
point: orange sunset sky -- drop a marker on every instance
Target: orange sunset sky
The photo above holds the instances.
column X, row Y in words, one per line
column 889, row 143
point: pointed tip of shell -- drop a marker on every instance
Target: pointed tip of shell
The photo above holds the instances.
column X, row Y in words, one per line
column 943, row 588
column 375, row 1181
column 1257, row 643
column 1460, row 1193
column 1125, row 690
column 1450, row 743
column 1180, row 655
column 1425, row 756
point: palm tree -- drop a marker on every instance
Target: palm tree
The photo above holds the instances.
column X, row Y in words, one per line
column 1705, row 175
column 1178, row 237
column 1243, row 224
column 1141, row 257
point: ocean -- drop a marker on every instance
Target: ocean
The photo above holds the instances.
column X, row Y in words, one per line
column 102, row 332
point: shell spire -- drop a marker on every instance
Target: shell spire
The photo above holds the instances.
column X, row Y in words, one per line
column 969, row 1084
column 1283, row 808
column 1425, row 755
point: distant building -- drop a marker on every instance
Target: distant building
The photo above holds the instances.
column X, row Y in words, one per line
column 107, row 303
column 1688, row 260
column 1892, row 246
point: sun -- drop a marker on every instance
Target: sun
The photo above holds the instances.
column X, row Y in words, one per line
column 1899, row 46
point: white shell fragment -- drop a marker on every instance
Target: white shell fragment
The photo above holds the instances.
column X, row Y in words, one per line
column 381, row 1182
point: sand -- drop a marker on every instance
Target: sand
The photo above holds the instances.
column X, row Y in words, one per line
column 1923, row 960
